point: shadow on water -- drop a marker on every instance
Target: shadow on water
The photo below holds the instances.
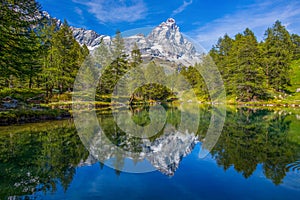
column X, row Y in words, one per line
column 39, row 157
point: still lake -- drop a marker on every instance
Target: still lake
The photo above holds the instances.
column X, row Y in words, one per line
column 257, row 156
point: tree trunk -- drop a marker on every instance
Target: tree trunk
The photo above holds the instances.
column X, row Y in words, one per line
column 10, row 82
column 60, row 88
column 30, row 82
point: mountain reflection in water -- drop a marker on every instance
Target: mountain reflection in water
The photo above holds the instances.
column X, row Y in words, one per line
column 39, row 157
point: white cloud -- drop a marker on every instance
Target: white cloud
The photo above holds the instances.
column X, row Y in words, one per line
column 182, row 7
column 257, row 17
column 81, row 20
column 78, row 11
column 115, row 10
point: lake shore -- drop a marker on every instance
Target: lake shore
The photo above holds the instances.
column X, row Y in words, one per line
column 21, row 116
column 63, row 110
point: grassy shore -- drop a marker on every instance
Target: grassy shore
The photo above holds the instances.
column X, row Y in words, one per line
column 33, row 106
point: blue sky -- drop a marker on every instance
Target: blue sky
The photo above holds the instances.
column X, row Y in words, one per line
column 203, row 20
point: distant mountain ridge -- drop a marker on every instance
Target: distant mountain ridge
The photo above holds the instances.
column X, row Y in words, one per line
column 164, row 42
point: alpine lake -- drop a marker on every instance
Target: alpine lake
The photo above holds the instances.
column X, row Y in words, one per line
column 256, row 156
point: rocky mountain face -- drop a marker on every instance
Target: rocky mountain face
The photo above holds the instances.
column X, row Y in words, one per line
column 90, row 38
column 164, row 153
column 45, row 15
column 165, row 42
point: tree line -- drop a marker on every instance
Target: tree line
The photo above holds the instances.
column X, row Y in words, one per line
column 116, row 63
column 41, row 53
column 39, row 159
column 251, row 70
column 35, row 51
column 254, row 70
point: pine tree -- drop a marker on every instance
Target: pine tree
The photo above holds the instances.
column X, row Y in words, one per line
column 61, row 57
column 137, row 75
column 32, row 66
column 220, row 55
column 136, row 56
column 249, row 78
column 277, row 54
column 49, row 71
column 17, row 43
column 296, row 50
column 117, row 67
column 135, row 83
column 103, row 54
column 118, row 49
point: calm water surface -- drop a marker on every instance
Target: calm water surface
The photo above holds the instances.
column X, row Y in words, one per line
column 256, row 157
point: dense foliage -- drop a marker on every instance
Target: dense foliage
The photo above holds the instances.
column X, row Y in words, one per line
column 116, row 63
column 35, row 51
column 253, row 137
column 256, row 71
column 250, row 137
column 41, row 53
column 39, row 158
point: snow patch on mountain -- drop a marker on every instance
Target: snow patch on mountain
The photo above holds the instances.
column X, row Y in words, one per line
column 165, row 42
column 90, row 38
column 164, row 153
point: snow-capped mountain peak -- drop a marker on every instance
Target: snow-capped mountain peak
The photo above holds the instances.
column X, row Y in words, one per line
column 89, row 37
column 165, row 42
column 168, row 43
column 170, row 23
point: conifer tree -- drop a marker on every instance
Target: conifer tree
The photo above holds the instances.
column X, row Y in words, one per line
column 137, row 75
column 277, row 54
column 117, row 67
column 118, row 49
column 296, row 50
column 103, row 54
column 220, row 54
column 136, row 56
column 61, row 57
column 49, row 71
column 17, row 43
column 249, row 78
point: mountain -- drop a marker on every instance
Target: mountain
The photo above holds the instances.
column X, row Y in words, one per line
column 90, row 38
column 165, row 43
column 44, row 15
column 164, row 153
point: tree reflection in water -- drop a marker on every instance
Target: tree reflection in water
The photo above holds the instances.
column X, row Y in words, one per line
column 38, row 157
column 251, row 137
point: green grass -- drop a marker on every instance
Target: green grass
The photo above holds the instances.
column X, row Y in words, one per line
column 294, row 132
column 40, row 126
column 295, row 82
column 21, row 94
column 295, row 75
